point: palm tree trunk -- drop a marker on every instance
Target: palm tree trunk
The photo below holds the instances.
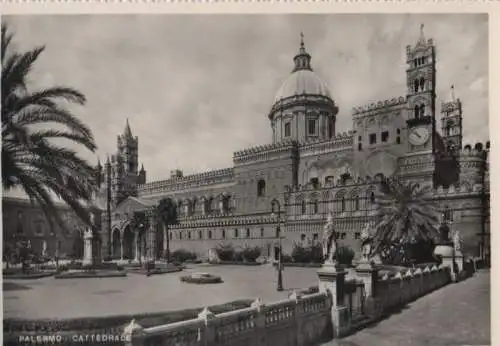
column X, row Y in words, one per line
column 167, row 242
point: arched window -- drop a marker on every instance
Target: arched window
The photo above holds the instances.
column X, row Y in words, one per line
column 355, row 203
column 422, row 83
column 422, row 110
column 278, row 232
column 448, row 214
column 303, row 207
column 415, row 64
column 417, row 112
column 415, row 85
column 209, row 234
column 180, row 234
column 372, row 197
column 248, row 232
column 236, row 233
column 189, row 234
column 200, row 235
column 262, row 232
column 342, row 204
column 302, row 237
column 315, row 207
column 193, row 209
column 261, row 188
column 223, row 234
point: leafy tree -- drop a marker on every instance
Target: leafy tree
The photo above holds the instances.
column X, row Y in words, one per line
column 406, row 217
column 31, row 160
column 167, row 213
column 345, row 255
column 250, row 253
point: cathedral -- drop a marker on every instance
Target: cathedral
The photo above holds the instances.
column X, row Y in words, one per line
column 311, row 170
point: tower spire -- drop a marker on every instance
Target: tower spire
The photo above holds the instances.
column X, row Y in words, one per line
column 302, row 59
column 421, row 39
column 128, row 132
column 452, row 93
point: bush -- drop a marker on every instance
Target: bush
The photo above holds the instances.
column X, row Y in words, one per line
column 345, row 255
column 225, row 252
column 309, row 254
column 251, row 254
column 201, row 278
column 183, row 255
column 286, row 258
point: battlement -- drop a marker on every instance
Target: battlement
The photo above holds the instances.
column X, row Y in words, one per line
column 378, row 106
column 479, row 150
column 185, row 182
column 263, row 152
column 339, row 141
column 449, row 106
column 357, row 181
column 458, row 190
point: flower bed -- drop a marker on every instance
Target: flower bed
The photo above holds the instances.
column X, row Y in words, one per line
column 19, row 274
column 89, row 274
column 12, row 327
column 241, row 263
column 201, row 278
column 156, row 271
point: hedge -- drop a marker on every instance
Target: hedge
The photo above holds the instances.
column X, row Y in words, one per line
column 208, row 279
column 90, row 274
column 237, row 263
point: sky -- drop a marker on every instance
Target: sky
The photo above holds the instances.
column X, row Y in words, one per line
column 196, row 88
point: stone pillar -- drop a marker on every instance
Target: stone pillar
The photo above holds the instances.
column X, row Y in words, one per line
column 165, row 239
column 367, row 273
column 332, row 280
column 136, row 244
column 87, row 247
column 121, row 246
column 151, row 236
column 133, row 334
column 447, row 253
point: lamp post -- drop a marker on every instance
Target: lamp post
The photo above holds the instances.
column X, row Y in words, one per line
column 275, row 204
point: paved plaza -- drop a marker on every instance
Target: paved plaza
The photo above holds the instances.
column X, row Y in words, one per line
column 52, row 298
column 455, row 315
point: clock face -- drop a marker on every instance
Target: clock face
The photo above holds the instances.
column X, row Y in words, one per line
column 419, row 136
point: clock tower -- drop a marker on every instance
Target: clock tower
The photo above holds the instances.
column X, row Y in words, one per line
column 421, row 95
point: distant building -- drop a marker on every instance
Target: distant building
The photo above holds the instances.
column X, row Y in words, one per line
column 22, row 219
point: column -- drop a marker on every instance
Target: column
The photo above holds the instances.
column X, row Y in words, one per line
column 121, row 245
column 165, row 240
column 151, row 236
column 136, row 244
column 87, row 247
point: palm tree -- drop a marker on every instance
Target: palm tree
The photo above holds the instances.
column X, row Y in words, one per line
column 406, row 215
column 31, row 160
column 167, row 213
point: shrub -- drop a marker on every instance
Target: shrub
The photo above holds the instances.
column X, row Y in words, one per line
column 238, row 256
column 345, row 255
column 251, row 254
column 286, row 258
column 201, row 278
column 309, row 254
column 182, row 255
column 225, row 252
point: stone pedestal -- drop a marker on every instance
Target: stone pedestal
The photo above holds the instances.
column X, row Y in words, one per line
column 87, row 247
column 447, row 253
column 459, row 260
column 367, row 273
column 332, row 280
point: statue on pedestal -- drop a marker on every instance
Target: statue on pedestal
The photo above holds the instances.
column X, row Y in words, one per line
column 329, row 241
column 366, row 243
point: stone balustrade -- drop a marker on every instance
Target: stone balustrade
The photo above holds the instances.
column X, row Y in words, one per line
column 293, row 321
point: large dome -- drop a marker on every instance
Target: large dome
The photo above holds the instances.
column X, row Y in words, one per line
column 302, row 82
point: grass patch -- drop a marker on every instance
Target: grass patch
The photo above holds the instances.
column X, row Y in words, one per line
column 12, row 286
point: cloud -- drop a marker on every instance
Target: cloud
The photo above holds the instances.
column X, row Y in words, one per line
column 196, row 88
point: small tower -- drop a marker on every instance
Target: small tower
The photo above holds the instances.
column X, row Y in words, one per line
column 99, row 174
column 142, row 176
column 451, row 122
column 421, row 96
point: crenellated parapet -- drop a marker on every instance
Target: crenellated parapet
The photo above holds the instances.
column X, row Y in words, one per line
column 222, row 221
column 342, row 140
column 265, row 152
column 379, row 107
column 339, row 183
column 176, row 183
column 462, row 190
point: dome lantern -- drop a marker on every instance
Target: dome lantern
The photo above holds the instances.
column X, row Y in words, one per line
column 303, row 59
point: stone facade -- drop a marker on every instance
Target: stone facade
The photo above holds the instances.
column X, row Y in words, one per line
column 311, row 170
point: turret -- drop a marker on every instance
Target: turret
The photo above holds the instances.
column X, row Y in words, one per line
column 451, row 122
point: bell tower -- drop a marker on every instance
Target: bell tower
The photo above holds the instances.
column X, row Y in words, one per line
column 451, row 122
column 421, row 94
